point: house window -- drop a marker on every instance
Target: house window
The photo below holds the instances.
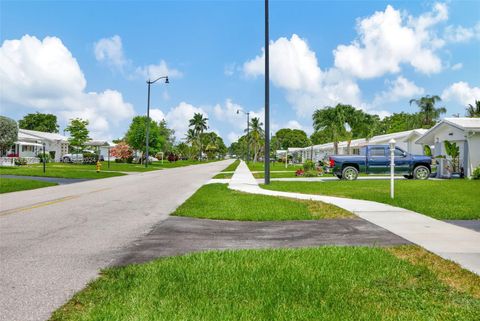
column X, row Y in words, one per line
column 27, row 148
column 356, row 151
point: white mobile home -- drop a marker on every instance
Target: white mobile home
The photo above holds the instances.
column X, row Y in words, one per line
column 465, row 132
column 30, row 144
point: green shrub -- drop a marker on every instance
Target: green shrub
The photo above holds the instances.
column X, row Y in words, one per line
column 310, row 173
column 48, row 158
column 308, row 165
column 476, row 173
column 20, row 161
column 90, row 158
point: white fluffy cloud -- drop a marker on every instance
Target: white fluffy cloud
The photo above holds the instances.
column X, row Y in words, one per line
column 179, row 116
column 461, row 93
column 228, row 113
column 398, row 89
column 157, row 70
column 43, row 75
column 157, row 114
column 295, row 68
column 110, row 51
column 462, row 34
column 387, row 39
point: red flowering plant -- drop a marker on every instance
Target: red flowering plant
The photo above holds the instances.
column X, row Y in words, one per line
column 300, row 172
column 121, row 151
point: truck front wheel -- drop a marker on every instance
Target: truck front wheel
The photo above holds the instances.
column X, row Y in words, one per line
column 421, row 172
column 350, row 173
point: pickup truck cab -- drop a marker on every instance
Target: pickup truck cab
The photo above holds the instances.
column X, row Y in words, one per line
column 375, row 159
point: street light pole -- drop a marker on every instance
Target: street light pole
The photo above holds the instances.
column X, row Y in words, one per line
column 267, row 99
column 392, row 166
column 149, row 82
column 248, row 132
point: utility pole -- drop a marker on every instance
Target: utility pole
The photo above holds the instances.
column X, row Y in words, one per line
column 267, row 99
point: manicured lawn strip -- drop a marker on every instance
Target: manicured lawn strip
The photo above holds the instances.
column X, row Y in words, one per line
column 259, row 166
column 445, row 200
column 284, row 174
column 448, row 272
column 180, row 163
column 8, row 185
column 52, row 171
column 216, row 201
column 232, row 167
column 223, row 175
column 326, row 283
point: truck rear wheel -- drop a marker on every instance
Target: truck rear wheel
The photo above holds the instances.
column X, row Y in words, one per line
column 350, row 173
column 421, row 172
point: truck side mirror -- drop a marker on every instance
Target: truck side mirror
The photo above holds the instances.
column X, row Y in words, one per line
column 404, row 154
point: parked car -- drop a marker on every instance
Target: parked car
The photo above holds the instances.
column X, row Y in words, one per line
column 375, row 159
column 78, row 157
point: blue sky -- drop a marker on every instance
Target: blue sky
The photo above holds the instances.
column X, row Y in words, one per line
column 91, row 59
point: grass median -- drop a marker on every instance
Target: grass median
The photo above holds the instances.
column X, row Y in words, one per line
column 216, row 201
column 326, row 283
column 230, row 169
column 440, row 199
column 8, row 185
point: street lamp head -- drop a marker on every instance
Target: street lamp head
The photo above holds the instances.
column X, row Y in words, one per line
column 392, row 144
column 238, row 111
column 166, row 80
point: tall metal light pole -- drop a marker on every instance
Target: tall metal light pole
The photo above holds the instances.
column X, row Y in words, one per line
column 149, row 82
column 248, row 132
column 267, row 99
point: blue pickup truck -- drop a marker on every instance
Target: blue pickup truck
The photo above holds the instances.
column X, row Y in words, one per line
column 375, row 159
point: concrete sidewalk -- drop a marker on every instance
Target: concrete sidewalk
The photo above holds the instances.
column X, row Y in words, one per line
column 449, row 241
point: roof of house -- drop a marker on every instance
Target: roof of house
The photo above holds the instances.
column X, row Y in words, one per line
column 399, row 136
column 462, row 123
column 33, row 134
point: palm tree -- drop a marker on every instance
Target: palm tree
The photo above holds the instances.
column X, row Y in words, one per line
column 257, row 134
column 474, row 110
column 428, row 110
column 332, row 121
column 190, row 136
column 199, row 124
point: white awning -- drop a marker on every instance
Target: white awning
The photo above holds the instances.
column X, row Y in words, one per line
column 28, row 144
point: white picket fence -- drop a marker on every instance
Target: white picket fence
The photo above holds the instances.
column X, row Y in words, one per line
column 10, row 161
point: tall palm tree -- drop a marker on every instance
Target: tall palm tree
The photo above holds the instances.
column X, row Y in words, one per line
column 257, row 134
column 199, row 124
column 474, row 110
column 190, row 136
column 428, row 110
column 332, row 121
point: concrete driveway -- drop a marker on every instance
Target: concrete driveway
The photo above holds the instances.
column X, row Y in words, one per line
column 54, row 240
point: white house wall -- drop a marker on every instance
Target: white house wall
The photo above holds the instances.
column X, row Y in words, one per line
column 474, row 152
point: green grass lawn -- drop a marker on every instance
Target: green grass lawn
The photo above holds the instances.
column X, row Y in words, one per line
column 232, row 167
column 259, row 166
column 8, row 185
column 285, row 174
column 445, row 200
column 68, row 170
column 216, row 201
column 58, row 170
column 326, row 283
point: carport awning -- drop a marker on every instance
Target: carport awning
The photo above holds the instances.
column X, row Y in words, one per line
column 28, row 144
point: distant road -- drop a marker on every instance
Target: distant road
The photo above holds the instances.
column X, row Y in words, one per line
column 56, row 239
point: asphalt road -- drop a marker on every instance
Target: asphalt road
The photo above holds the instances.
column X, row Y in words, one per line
column 54, row 240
